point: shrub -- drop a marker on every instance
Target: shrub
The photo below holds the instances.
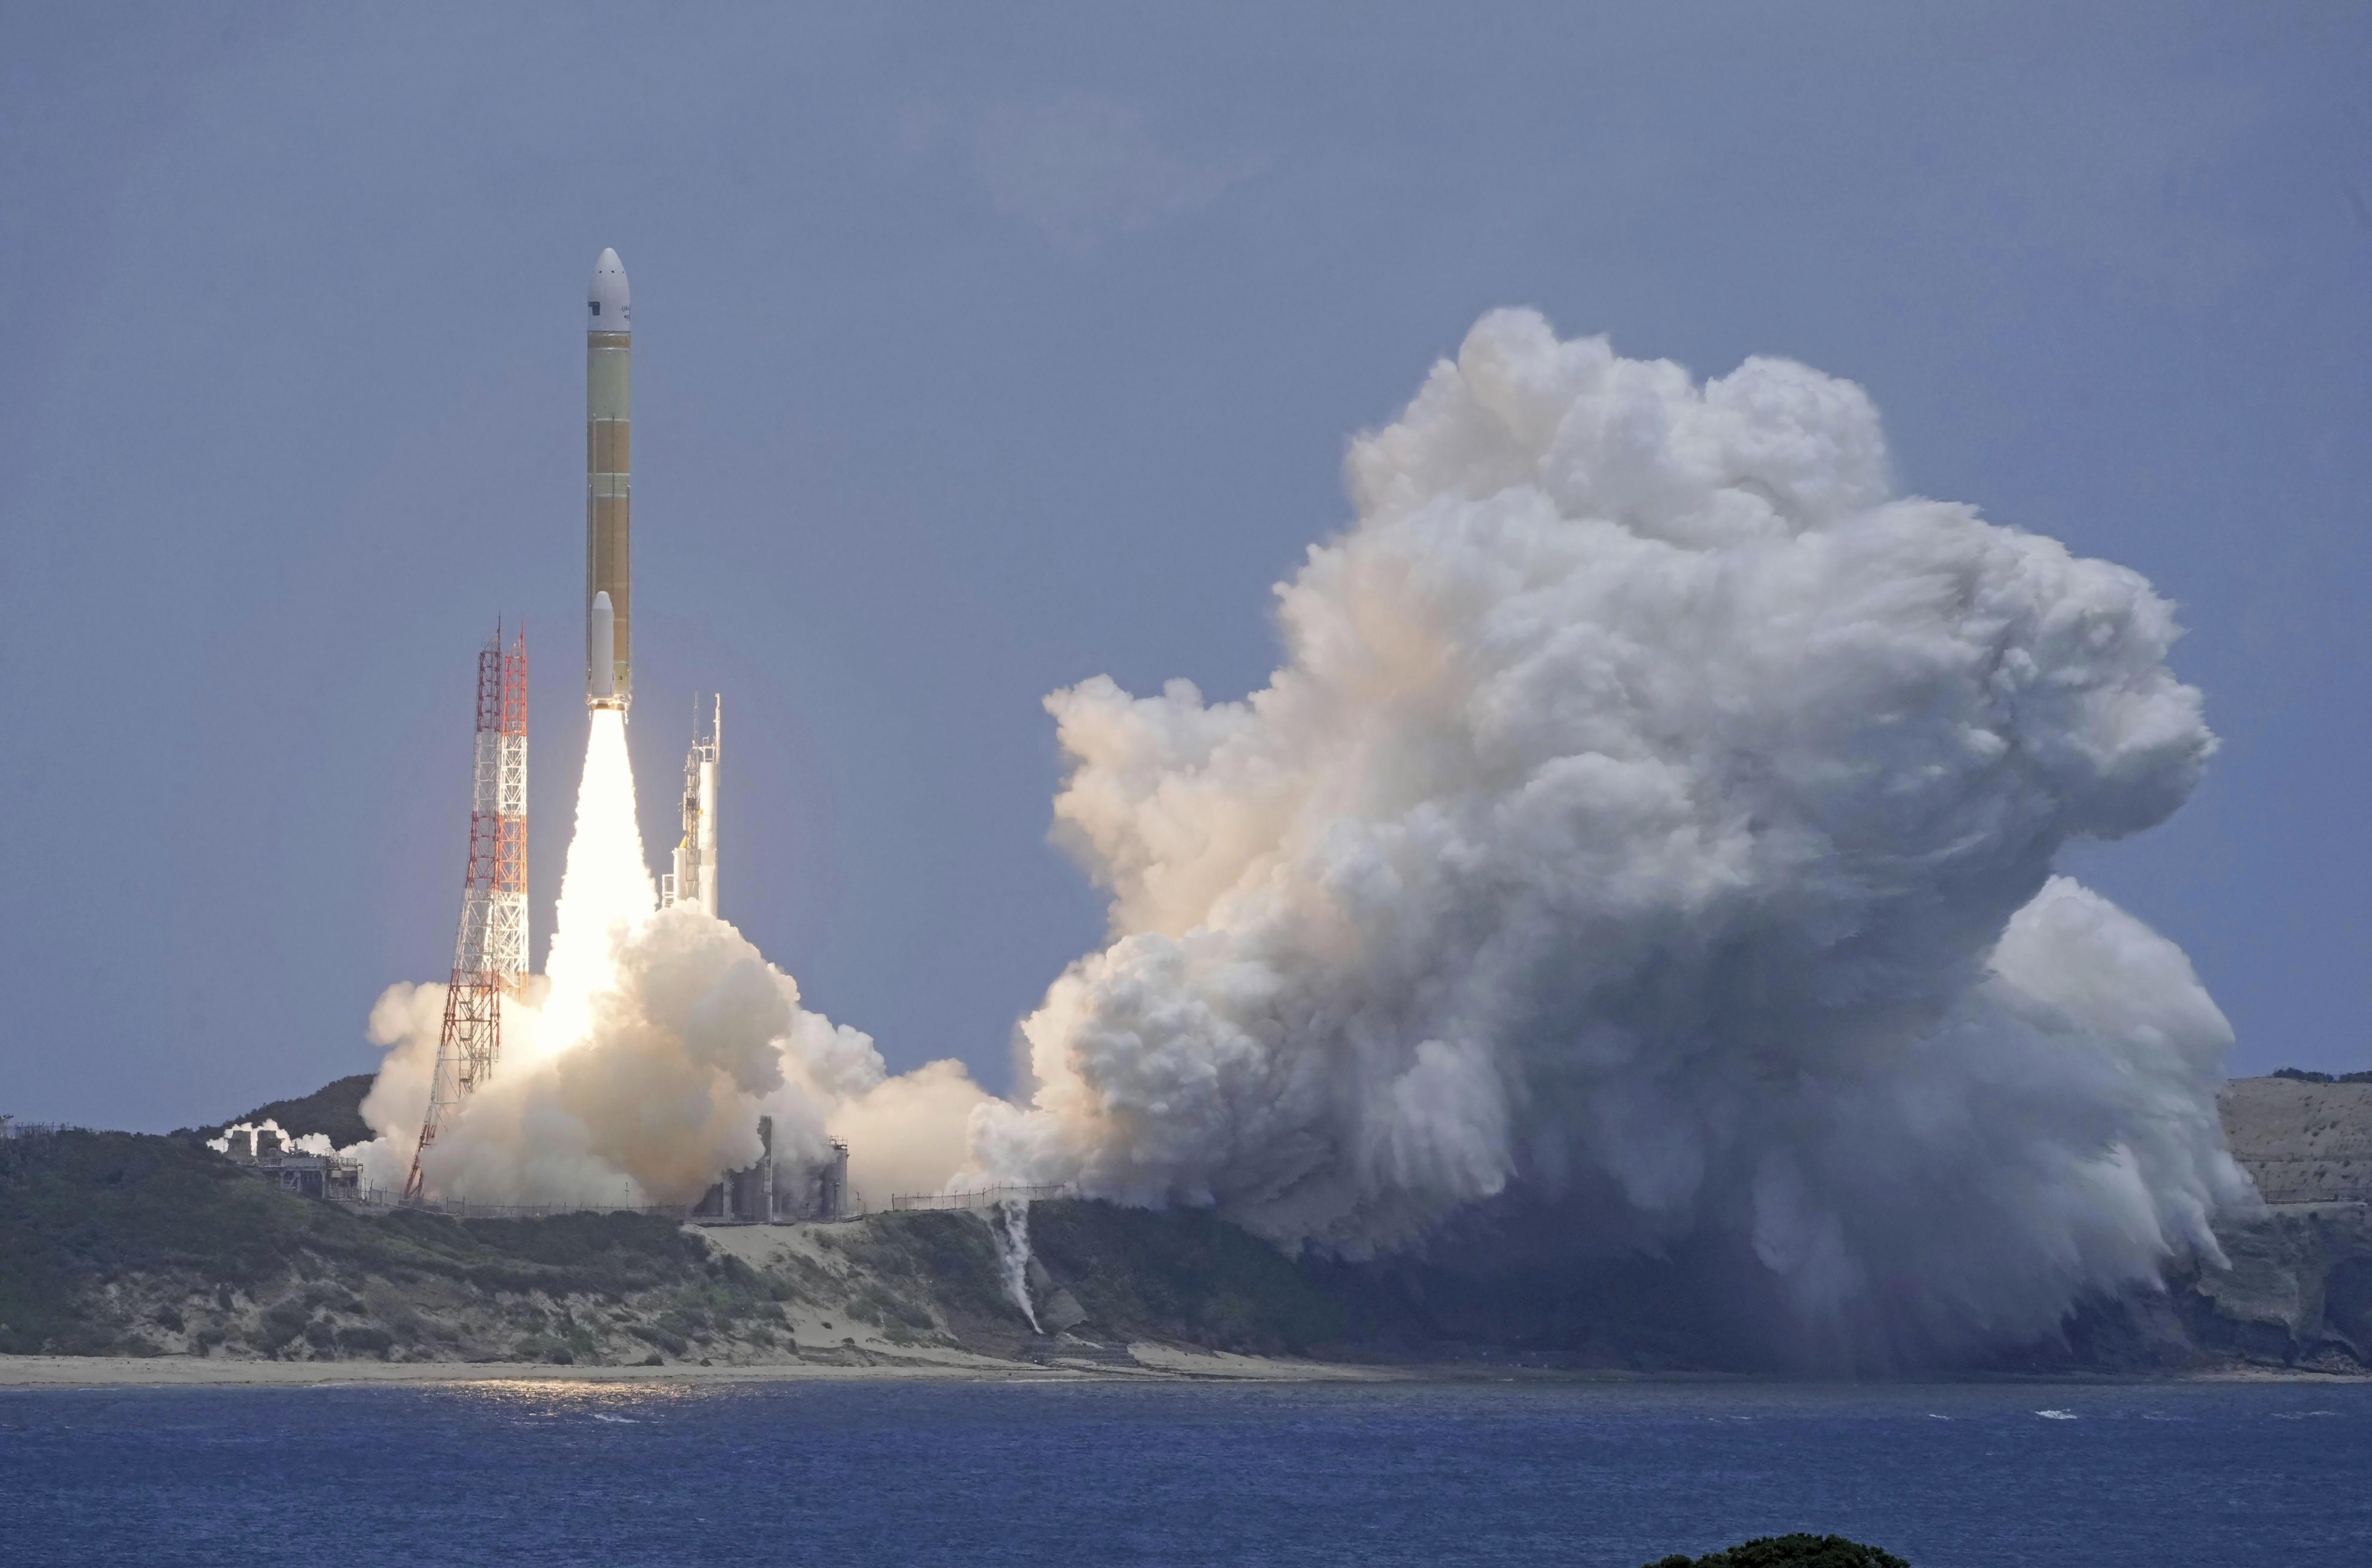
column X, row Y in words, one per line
column 335, row 1109
column 674, row 1344
column 283, row 1321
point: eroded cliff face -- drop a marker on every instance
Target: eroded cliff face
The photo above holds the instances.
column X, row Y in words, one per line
column 2298, row 1292
column 2301, row 1143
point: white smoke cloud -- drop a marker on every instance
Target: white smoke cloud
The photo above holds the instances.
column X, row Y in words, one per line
column 1652, row 821
column 694, row 1040
column 637, row 1068
column 254, row 1139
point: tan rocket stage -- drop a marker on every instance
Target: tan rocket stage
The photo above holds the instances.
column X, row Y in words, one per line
column 608, row 489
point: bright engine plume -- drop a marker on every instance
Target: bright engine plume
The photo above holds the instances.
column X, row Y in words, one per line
column 638, row 1065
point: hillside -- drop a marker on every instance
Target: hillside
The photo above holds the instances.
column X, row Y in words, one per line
column 115, row 1243
column 335, row 1109
column 118, row 1243
column 124, row 1244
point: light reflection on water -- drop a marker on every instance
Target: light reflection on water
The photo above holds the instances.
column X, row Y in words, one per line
column 852, row 1472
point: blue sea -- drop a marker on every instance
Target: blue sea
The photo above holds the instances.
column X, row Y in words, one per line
column 1577, row 1474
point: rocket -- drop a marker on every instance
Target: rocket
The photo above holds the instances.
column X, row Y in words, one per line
column 609, row 488
column 602, row 654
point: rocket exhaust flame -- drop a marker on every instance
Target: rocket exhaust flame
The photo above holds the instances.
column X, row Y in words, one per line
column 606, row 891
column 635, row 1069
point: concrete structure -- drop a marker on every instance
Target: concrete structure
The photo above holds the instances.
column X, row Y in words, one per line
column 267, row 1152
column 694, row 880
column 777, row 1191
column 609, row 482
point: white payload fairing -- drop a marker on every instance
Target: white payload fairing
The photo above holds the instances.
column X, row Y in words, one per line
column 609, row 488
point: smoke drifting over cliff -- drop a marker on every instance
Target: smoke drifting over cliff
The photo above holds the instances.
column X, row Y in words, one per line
column 1651, row 827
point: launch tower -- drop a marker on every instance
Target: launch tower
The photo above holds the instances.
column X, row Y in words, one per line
column 694, row 880
column 490, row 952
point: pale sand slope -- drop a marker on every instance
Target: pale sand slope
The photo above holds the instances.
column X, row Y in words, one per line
column 1153, row 1363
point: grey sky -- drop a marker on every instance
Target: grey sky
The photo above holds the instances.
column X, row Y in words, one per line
column 980, row 350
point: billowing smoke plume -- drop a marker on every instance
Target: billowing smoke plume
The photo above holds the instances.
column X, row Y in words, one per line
column 636, row 1069
column 1651, row 828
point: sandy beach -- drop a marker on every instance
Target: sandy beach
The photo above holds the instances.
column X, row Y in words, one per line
column 1153, row 1363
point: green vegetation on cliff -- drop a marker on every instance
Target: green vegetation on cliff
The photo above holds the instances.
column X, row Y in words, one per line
column 81, row 1211
column 334, row 1109
column 1185, row 1275
column 125, row 1244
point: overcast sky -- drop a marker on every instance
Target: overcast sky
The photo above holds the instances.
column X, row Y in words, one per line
column 983, row 349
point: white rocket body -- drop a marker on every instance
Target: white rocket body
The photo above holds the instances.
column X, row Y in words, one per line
column 602, row 653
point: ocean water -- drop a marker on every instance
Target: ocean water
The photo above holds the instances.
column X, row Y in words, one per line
column 1578, row 1474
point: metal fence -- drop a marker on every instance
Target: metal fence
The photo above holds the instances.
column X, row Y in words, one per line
column 385, row 1199
column 984, row 1197
column 12, row 1128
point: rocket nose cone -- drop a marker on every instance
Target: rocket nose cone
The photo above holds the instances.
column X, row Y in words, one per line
column 601, row 602
column 607, row 306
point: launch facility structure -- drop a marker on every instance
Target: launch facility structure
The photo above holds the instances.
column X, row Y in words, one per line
column 490, row 951
column 694, row 880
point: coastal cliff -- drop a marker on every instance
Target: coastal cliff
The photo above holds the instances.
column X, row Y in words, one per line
column 128, row 1245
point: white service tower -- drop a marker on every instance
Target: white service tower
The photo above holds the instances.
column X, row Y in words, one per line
column 694, row 880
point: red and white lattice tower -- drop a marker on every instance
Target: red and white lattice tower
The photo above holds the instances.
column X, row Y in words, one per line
column 490, row 953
